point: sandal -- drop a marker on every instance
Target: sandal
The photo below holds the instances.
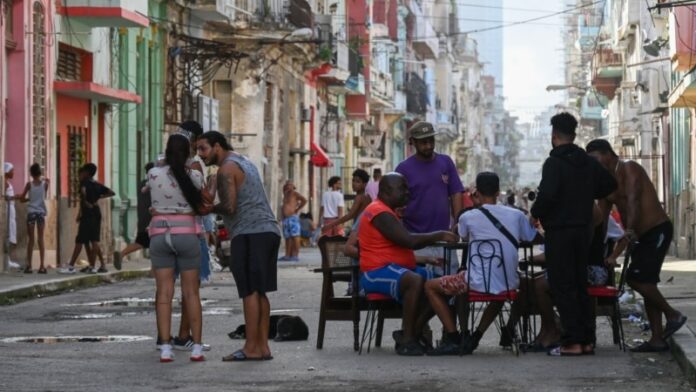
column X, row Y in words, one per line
column 238, row 356
column 673, row 326
column 646, row 347
column 558, row 352
column 28, row 270
column 42, row 270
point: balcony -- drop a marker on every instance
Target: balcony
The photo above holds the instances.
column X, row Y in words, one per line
column 607, row 71
column 466, row 49
column 444, row 124
column 381, row 89
column 629, row 19
column 682, row 41
column 106, row 13
column 588, row 29
column 684, row 93
column 591, row 106
column 425, row 42
column 247, row 13
column 416, row 94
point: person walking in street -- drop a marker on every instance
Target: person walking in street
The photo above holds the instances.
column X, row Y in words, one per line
column 372, row 188
column 8, row 169
column 35, row 195
column 142, row 238
column 571, row 182
column 435, row 188
column 255, row 237
column 644, row 220
column 293, row 202
column 332, row 204
column 89, row 219
column 361, row 201
column 174, row 232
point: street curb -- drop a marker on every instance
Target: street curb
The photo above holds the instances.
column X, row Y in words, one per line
column 683, row 347
column 57, row 286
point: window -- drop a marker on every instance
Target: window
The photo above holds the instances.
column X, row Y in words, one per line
column 69, row 64
column 39, row 85
column 9, row 24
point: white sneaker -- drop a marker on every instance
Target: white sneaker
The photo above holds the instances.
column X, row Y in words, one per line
column 67, row 271
column 197, row 353
column 12, row 264
column 166, row 354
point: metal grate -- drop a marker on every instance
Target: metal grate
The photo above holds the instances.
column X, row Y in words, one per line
column 39, row 86
column 69, row 65
column 77, row 156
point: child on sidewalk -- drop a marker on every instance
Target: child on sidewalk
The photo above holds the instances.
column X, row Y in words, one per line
column 35, row 194
column 89, row 217
column 142, row 238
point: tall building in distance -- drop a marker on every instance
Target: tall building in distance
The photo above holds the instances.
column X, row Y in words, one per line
column 481, row 14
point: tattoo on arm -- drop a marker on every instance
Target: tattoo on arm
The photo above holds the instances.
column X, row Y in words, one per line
column 227, row 192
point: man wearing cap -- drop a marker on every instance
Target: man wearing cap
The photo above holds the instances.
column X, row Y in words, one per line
column 646, row 221
column 434, row 185
column 570, row 183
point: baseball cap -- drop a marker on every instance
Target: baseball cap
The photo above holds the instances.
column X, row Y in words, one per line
column 421, row 130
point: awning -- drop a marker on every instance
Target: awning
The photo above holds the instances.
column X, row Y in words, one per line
column 95, row 92
column 319, row 157
column 104, row 16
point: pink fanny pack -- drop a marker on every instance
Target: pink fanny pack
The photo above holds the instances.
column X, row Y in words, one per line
column 174, row 224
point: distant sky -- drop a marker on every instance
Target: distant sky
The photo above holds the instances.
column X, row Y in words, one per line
column 533, row 57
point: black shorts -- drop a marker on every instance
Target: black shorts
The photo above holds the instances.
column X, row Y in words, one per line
column 89, row 230
column 649, row 253
column 254, row 263
column 143, row 239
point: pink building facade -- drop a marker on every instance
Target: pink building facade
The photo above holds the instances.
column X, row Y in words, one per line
column 28, row 57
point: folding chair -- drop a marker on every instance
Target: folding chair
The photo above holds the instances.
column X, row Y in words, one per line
column 379, row 307
column 612, row 293
column 487, row 256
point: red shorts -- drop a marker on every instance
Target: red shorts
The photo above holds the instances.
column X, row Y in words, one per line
column 454, row 284
column 334, row 231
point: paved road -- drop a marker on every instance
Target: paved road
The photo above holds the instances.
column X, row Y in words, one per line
column 298, row 366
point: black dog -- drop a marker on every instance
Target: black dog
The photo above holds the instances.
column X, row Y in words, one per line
column 282, row 328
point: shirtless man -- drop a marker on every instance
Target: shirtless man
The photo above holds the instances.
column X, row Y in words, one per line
column 645, row 221
column 293, row 202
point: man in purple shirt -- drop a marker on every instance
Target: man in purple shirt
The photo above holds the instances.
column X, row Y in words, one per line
column 434, row 185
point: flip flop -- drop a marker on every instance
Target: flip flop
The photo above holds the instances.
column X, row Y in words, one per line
column 239, row 356
column 646, row 347
column 42, row 271
column 267, row 357
column 557, row 352
column 673, row 326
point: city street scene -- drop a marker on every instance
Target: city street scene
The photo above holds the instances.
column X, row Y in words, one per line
column 348, row 195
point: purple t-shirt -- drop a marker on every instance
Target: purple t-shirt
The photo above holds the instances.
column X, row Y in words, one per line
column 430, row 184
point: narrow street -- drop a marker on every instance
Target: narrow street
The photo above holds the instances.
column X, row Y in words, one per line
column 126, row 310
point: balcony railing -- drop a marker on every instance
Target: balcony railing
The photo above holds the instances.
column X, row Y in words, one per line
column 425, row 42
column 294, row 12
column 608, row 64
column 381, row 86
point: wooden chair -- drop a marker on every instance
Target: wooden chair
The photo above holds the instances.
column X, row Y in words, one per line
column 337, row 267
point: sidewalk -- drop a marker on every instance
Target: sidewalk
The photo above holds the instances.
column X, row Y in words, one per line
column 16, row 286
column 679, row 288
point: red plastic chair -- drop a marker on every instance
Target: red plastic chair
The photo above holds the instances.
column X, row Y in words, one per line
column 486, row 256
column 376, row 304
column 613, row 293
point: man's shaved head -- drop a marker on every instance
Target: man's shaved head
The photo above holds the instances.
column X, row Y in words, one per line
column 393, row 190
